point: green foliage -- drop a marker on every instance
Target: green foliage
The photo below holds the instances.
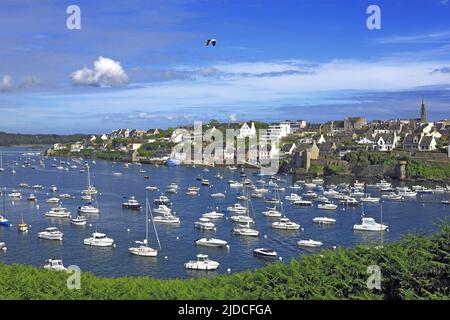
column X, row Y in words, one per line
column 317, row 169
column 151, row 149
column 334, row 169
column 417, row 267
column 364, row 158
column 427, row 169
column 8, row 139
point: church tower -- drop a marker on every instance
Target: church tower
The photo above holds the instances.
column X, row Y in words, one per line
column 423, row 112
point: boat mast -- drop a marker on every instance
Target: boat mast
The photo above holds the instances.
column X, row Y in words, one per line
column 4, row 201
column 153, row 222
column 146, row 221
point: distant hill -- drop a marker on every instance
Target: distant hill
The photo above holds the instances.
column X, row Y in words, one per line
column 8, row 139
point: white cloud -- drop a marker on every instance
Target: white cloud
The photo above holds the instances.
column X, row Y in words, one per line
column 6, row 83
column 106, row 72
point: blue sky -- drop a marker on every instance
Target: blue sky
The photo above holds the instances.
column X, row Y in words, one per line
column 143, row 64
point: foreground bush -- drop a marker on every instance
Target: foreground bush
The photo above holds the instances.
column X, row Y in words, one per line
column 417, row 267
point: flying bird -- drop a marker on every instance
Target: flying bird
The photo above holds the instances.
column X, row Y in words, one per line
column 211, row 41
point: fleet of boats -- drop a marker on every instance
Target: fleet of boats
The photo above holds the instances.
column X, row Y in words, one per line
column 243, row 216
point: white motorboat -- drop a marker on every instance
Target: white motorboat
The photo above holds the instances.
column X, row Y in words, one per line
column 202, row 263
column 204, row 182
column 293, row 197
column 392, row 196
column 321, row 199
column 78, row 220
column 424, row 190
column 236, row 185
column 302, row 203
column 151, row 188
column 217, row 195
column 192, row 193
column 53, row 188
column 162, row 209
column 285, row 224
column 383, row 184
column 445, row 202
column 213, row 215
column 237, row 208
column 348, row 201
column 37, row 187
column 3, row 246
column 131, row 204
column 369, row 224
column 55, row 265
column 324, row 220
column 23, row 185
column 317, row 181
column 261, row 190
column 53, row 200
column 32, row 197
column 370, row 199
column 407, row 193
column 271, row 212
column 272, row 200
column 241, row 198
column 143, row 249
column 91, row 190
column 211, row 242
column 330, row 193
column 88, row 208
column 98, row 240
column 65, row 196
column 162, row 200
column 193, row 188
column 15, row 194
column 58, row 212
column 310, row 194
column 310, row 243
column 241, row 218
column 51, row 233
column 172, row 190
column 204, row 224
column 245, row 230
column 257, row 195
column 327, row 206
column 265, row 252
column 167, row 218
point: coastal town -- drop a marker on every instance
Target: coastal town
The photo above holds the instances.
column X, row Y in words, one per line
column 301, row 147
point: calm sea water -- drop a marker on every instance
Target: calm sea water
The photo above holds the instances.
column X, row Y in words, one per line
column 419, row 215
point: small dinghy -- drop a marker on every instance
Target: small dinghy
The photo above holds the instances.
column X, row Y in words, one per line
column 265, row 252
column 79, row 221
column 309, row 243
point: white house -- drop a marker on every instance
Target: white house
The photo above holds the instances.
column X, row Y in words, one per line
column 104, row 137
column 385, row 142
column 247, row 131
column 427, row 143
column 278, row 131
